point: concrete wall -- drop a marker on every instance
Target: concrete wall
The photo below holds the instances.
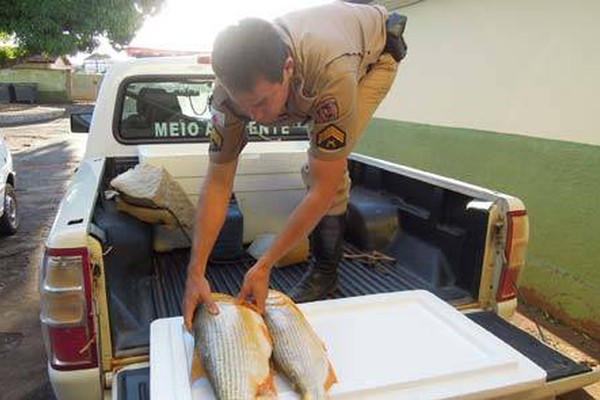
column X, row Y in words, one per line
column 56, row 86
column 528, row 69
column 84, row 87
column 53, row 85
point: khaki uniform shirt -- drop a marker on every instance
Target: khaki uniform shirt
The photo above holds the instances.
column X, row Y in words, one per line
column 332, row 46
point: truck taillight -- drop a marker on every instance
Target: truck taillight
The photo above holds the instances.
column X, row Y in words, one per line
column 516, row 243
column 66, row 311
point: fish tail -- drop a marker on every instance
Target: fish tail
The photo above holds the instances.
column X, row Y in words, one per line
column 318, row 393
column 331, row 378
column 198, row 370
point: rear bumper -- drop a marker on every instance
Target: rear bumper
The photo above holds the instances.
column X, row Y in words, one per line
column 552, row 389
column 76, row 385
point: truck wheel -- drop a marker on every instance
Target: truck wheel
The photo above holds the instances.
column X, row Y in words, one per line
column 9, row 221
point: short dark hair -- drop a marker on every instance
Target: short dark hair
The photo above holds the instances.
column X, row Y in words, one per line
column 247, row 51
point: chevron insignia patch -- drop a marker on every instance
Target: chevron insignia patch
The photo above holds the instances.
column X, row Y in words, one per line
column 331, row 138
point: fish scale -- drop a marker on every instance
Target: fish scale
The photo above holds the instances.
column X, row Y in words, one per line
column 297, row 350
column 291, row 347
column 234, row 350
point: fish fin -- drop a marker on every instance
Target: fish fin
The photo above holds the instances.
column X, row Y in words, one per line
column 223, row 298
column 331, row 378
column 198, row 370
column 249, row 305
column 274, row 293
column 267, row 389
column 276, row 299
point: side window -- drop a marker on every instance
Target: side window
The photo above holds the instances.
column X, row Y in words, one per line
column 164, row 111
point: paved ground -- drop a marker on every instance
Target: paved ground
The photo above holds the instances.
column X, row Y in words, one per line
column 46, row 156
column 19, row 114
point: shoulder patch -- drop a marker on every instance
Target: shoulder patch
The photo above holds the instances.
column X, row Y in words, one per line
column 217, row 116
column 326, row 110
column 216, row 139
column 331, row 138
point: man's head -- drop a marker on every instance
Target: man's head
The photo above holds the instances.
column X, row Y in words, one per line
column 252, row 62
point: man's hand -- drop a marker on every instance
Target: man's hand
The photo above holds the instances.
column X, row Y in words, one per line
column 256, row 286
column 197, row 291
column 211, row 210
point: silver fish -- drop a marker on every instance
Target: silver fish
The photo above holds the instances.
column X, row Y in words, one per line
column 297, row 350
column 233, row 349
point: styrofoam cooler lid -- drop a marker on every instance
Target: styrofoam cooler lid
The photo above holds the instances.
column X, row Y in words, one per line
column 401, row 345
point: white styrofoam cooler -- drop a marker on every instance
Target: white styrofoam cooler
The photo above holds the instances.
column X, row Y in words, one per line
column 402, row 345
column 268, row 184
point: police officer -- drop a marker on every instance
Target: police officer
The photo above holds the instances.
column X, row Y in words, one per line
column 330, row 65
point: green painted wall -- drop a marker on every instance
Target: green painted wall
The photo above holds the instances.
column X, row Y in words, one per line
column 52, row 84
column 558, row 181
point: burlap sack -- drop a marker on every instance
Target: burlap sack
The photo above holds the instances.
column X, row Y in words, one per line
column 154, row 188
column 155, row 216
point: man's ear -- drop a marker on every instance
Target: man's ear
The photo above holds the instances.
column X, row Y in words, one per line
column 288, row 68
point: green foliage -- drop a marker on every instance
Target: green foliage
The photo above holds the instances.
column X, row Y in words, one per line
column 10, row 54
column 59, row 27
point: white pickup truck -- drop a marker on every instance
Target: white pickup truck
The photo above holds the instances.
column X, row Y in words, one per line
column 102, row 284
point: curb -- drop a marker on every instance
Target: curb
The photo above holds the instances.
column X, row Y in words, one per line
column 37, row 115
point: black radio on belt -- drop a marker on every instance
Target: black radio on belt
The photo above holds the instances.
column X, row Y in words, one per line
column 394, row 40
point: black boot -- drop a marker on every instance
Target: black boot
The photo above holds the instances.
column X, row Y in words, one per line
column 326, row 247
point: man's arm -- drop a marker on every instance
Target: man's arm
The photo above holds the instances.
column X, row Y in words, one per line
column 326, row 178
column 211, row 210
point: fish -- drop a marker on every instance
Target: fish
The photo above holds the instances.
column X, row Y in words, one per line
column 233, row 350
column 298, row 353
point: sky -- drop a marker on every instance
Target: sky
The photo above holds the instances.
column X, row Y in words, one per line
column 191, row 25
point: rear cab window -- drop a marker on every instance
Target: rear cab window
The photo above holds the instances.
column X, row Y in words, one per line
column 166, row 111
column 175, row 110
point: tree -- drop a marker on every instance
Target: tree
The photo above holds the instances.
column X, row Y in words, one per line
column 60, row 27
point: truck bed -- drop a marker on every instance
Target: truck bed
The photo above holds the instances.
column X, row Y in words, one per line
column 357, row 277
column 143, row 286
column 134, row 384
column 437, row 246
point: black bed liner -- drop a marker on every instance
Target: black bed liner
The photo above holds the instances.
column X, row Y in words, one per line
column 357, row 277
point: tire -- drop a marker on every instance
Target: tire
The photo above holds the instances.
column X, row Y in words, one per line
column 9, row 221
